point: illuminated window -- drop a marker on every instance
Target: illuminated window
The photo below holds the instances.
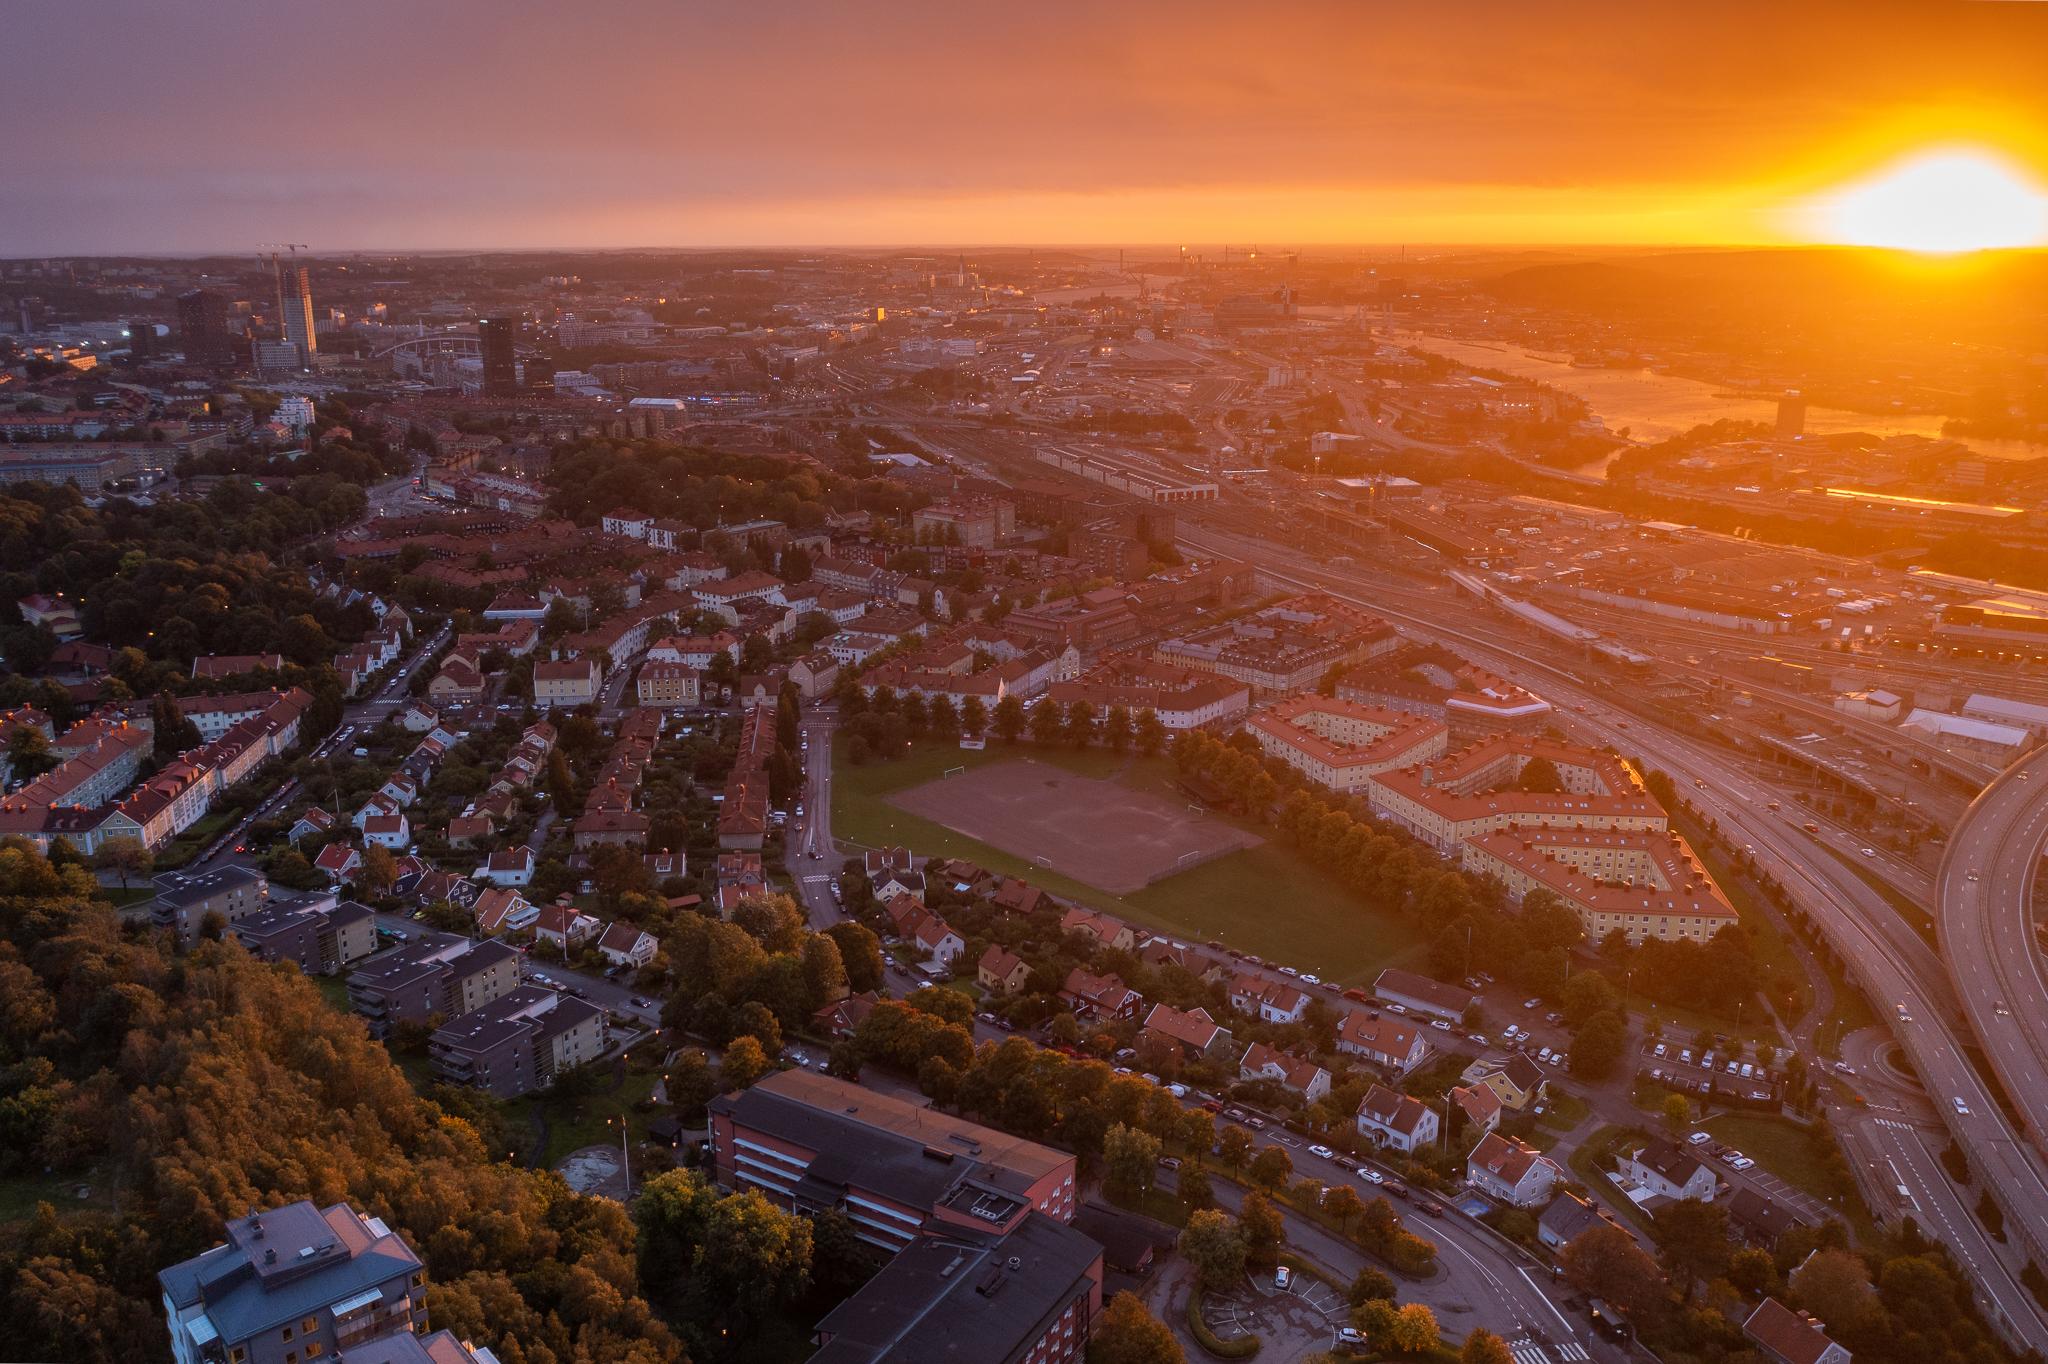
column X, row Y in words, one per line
column 314, row 1349
column 309, row 1325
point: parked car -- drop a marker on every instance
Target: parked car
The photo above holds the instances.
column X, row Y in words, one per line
column 1282, row 1277
column 1169, row 1162
column 1325, row 1152
column 1532, row 1003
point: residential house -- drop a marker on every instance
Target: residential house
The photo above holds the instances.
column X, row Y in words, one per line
column 387, row 831
column 501, row 910
column 842, row 1018
column 1567, row 1218
column 1017, row 896
column 565, row 682
column 565, row 926
column 1397, row 1121
column 938, row 942
column 1511, row 1171
column 1479, row 1106
column 507, row 867
column 1423, row 995
column 467, row 830
column 1001, row 971
column 1515, row 1080
column 313, row 822
column 624, row 944
column 338, row 862
column 1791, row 1337
column 1271, row 1001
column 1665, row 1169
column 1104, row 930
column 1190, row 1035
column 1759, row 1220
column 1103, row 997
column 1304, row 1078
column 1387, row 1040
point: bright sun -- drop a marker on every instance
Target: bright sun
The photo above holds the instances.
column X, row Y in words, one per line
column 1940, row 203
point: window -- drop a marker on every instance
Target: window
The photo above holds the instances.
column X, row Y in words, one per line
column 291, row 1357
column 237, row 1355
column 287, row 1333
column 309, row 1326
column 314, row 1349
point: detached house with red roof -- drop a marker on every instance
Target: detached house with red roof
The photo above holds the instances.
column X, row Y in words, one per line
column 338, row 861
column 1190, row 1035
column 1511, row 1171
column 1001, row 971
column 1104, row 997
column 1305, row 1078
column 624, row 944
column 1397, row 1121
column 1109, row 932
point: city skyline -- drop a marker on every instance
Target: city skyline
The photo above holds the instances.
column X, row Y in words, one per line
column 1588, row 123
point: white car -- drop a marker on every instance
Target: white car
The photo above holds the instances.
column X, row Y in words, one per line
column 1311, row 980
column 1325, row 1152
column 1289, row 971
column 1282, row 1277
column 1741, row 1163
column 1961, row 1107
column 1372, row 1176
column 1439, row 1025
column 1698, row 1139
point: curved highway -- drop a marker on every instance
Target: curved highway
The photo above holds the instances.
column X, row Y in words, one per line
column 1986, row 889
column 1893, row 964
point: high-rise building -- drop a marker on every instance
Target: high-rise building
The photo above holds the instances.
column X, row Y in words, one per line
column 203, row 329
column 1791, row 414
column 501, row 365
column 298, row 314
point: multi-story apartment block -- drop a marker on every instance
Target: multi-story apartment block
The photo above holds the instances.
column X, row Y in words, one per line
column 518, row 1044
column 184, row 899
column 443, row 977
column 318, row 932
column 291, row 1285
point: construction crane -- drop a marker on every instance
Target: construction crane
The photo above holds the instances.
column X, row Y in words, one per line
column 277, row 269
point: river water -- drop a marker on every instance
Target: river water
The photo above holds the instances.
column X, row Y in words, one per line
column 1653, row 406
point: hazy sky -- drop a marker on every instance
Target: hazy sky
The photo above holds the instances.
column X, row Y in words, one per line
column 187, row 125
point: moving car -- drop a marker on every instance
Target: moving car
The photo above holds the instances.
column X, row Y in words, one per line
column 1961, row 1107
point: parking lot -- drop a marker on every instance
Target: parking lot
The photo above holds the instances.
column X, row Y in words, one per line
column 1294, row 1322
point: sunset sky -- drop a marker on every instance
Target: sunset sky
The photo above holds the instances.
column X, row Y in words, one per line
column 154, row 125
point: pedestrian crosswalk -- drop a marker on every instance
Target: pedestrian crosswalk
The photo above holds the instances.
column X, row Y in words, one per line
column 1527, row 1351
column 1895, row 1124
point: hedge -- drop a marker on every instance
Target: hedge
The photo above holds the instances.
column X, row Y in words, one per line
column 1244, row 1347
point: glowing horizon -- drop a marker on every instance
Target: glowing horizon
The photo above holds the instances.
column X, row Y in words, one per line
column 517, row 126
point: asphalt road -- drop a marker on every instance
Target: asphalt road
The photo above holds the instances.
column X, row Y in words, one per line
column 1986, row 924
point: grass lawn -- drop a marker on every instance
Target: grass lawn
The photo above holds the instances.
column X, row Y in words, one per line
column 1562, row 1112
column 1264, row 900
column 1912, row 911
column 1588, row 1165
column 19, row 1195
column 118, row 897
column 585, row 1121
column 1787, row 1151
